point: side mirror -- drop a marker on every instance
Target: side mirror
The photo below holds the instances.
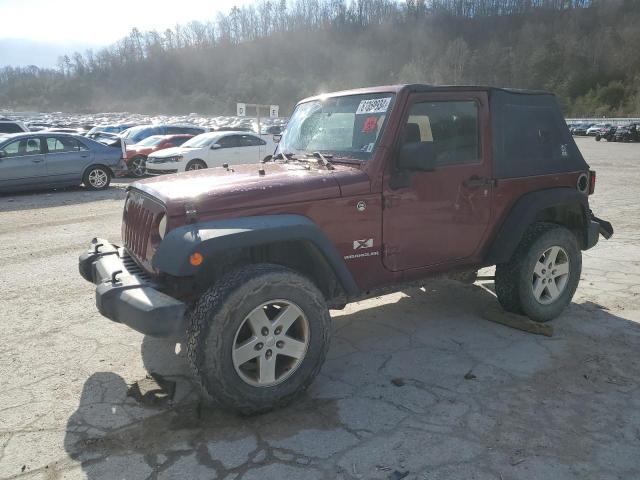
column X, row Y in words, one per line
column 417, row 156
column 3, row 154
column 216, row 146
column 277, row 138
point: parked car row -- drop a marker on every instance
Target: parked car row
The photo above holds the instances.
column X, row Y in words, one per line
column 611, row 133
column 621, row 133
column 589, row 129
column 52, row 159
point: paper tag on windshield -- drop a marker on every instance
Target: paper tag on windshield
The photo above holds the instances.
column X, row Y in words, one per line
column 373, row 105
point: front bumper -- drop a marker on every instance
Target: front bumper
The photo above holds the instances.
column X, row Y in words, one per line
column 125, row 294
column 597, row 227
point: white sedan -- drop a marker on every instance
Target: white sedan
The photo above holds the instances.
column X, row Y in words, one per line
column 212, row 149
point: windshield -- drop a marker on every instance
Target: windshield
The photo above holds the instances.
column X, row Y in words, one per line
column 150, row 141
column 199, row 141
column 347, row 126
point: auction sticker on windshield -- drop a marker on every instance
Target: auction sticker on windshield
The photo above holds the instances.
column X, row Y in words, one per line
column 373, row 105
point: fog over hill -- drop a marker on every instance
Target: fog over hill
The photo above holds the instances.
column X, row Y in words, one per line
column 586, row 51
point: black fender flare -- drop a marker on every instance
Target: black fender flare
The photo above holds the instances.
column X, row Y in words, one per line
column 217, row 236
column 524, row 212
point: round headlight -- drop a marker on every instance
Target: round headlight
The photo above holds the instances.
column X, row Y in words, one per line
column 162, row 226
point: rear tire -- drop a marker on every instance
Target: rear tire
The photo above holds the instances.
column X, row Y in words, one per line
column 195, row 165
column 233, row 337
column 97, row 177
column 540, row 279
column 598, row 137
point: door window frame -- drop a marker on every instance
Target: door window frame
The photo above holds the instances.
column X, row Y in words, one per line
column 26, row 154
column 437, row 97
column 82, row 146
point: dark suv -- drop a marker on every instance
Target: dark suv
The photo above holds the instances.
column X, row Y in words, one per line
column 369, row 191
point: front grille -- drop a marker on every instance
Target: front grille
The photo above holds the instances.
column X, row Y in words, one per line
column 132, row 267
column 141, row 214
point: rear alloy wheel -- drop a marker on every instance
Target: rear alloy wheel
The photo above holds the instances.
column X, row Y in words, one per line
column 138, row 166
column 550, row 275
column 540, row 279
column 97, row 178
column 195, row 165
column 258, row 337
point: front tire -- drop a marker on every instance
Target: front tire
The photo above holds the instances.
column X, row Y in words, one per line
column 138, row 166
column 540, row 279
column 97, row 178
column 258, row 337
column 195, row 165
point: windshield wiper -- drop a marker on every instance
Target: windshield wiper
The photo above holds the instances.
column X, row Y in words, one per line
column 280, row 156
column 322, row 159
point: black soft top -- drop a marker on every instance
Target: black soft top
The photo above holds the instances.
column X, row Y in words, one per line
column 529, row 133
column 420, row 87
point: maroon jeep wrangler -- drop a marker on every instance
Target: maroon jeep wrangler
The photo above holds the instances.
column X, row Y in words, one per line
column 369, row 190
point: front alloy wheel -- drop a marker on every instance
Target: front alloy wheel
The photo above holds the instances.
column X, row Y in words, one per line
column 271, row 343
column 138, row 166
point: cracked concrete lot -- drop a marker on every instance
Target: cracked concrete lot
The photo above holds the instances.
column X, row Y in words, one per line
column 417, row 385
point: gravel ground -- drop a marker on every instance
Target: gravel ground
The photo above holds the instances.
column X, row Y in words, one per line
column 417, row 384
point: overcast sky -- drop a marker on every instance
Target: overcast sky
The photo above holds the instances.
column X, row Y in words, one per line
column 37, row 31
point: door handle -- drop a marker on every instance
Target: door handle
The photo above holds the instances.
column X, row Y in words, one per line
column 37, row 160
column 477, row 182
column 84, row 156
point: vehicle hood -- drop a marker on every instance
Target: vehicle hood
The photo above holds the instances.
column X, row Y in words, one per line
column 173, row 151
column 242, row 186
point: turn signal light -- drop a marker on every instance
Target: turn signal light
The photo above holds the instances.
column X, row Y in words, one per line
column 196, row 259
column 592, row 181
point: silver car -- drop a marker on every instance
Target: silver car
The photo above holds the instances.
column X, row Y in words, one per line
column 50, row 160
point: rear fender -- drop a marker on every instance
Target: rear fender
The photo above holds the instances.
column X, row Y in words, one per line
column 527, row 210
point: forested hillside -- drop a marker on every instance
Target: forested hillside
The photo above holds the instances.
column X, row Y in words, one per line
column 278, row 51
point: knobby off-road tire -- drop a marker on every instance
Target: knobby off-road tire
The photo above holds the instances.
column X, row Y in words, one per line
column 225, row 312
column 524, row 283
column 97, row 177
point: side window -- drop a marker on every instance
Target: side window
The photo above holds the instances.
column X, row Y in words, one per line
column 229, row 141
column 64, row 145
column 177, row 141
column 12, row 149
column 10, row 128
column 174, row 130
column 251, row 141
column 24, row 146
column 533, row 134
column 451, row 126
